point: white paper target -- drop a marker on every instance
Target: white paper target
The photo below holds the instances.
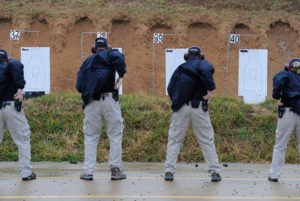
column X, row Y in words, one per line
column 174, row 57
column 36, row 61
column 253, row 75
column 117, row 76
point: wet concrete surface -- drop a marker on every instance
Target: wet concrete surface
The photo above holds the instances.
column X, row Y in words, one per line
column 60, row 181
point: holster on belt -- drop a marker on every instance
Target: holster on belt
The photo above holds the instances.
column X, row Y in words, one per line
column 204, row 105
column 18, row 106
column 115, row 95
column 281, row 111
column 196, row 102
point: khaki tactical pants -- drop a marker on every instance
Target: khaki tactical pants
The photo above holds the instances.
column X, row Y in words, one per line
column 203, row 131
column 20, row 133
column 285, row 127
column 96, row 111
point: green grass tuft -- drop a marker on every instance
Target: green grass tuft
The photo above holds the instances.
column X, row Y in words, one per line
column 243, row 132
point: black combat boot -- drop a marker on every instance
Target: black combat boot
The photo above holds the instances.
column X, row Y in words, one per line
column 215, row 177
column 272, row 179
column 30, row 177
column 169, row 176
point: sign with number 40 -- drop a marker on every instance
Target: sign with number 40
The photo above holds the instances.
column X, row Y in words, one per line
column 234, row 38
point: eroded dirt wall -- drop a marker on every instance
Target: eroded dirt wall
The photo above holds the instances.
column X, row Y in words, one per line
column 63, row 36
column 246, row 42
column 5, row 25
column 124, row 35
column 283, row 45
column 206, row 36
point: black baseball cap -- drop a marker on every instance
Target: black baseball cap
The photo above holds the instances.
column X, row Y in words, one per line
column 101, row 42
column 194, row 51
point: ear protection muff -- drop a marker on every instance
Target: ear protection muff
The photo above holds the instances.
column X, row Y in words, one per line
column 293, row 64
column 3, row 55
column 186, row 56
column 94, row 49
column 286, row 67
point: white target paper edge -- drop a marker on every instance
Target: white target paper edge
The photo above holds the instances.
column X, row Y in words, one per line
column 117, row 76
column 174, row 57
column 36, row 61
column 253, row 75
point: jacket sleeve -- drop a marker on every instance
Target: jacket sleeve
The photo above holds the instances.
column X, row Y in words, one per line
column 81, row 73
column 279, row 81
column 206, row 76
column 79, row 80
column 117, row 60
column 16, row 69
column 172, row 81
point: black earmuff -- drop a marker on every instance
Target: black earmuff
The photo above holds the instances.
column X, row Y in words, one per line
column 186, row 56
column 201, row 56
column 286, row 67
column 94, row 49
column 4, row 56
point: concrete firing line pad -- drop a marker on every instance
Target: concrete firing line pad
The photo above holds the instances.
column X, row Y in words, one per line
column 60, row 181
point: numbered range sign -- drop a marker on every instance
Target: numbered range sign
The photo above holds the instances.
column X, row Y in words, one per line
column 234, row 38
column 15, row 34
column 158, row 37
column 102, row 34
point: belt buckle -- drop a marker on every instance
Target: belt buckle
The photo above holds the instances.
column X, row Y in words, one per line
column 106, row 94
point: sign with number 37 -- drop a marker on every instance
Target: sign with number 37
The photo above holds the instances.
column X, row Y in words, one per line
column 15, row 34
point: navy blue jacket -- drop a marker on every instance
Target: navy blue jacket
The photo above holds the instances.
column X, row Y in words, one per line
column 3, row 77
column 191, row 81
column 286, row 86
column 15, row 80
column 97, row 74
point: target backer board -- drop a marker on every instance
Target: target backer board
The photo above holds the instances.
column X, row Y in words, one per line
column 117, row 76
column 174, row 57
column 36, row 61
column 253, row 75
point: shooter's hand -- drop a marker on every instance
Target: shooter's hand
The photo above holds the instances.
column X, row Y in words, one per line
column 19, row 95
column 119, row 83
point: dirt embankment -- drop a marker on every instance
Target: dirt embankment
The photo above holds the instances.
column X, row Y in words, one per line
column 207, row 28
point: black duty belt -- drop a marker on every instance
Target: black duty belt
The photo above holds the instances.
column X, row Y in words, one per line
column 290, row 109
column 102, row 96
column 4, row 104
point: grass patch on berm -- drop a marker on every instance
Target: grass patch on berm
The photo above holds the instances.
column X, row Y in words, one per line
column 243, row 133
